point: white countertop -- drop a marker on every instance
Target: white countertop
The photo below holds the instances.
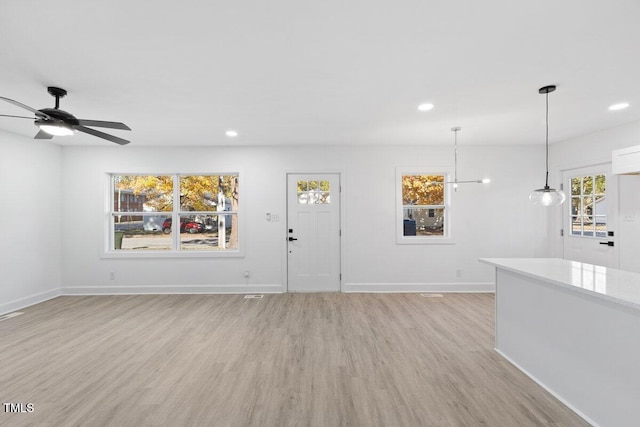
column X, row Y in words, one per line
column 622, row 287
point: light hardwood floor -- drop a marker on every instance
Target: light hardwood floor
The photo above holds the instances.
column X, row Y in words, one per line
column 285, row 360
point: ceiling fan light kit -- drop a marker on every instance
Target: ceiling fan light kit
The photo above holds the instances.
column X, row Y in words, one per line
column 62, row 126
column 59, row 129
column 56, row 122
column 547, row 196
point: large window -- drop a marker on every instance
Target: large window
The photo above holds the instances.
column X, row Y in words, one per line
column 589, row 206
column 423, row 206
column 144, row 209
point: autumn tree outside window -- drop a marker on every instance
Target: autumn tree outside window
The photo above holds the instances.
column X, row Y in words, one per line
column 205, row 207
column 423, row 206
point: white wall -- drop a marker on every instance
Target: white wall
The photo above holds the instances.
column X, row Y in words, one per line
column 43, row 186
column 30, row 193
column 593, row 149
column 488, row 221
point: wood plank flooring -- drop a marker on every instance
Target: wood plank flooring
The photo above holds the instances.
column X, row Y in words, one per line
column 285, row 360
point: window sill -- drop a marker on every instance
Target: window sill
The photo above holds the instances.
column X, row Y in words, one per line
column 425, row 241
column 171, row 254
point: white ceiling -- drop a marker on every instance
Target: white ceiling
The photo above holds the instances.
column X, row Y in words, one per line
column 323, row 72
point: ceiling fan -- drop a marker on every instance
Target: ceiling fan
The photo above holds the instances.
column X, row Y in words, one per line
column 55, row 122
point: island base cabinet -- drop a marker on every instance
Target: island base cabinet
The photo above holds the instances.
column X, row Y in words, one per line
column 582, row 349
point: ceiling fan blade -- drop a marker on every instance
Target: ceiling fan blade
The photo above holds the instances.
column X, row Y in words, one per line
column 17, row 117
column 101, row 135
column 43, row 135
column 26, row 107
column 102, row 124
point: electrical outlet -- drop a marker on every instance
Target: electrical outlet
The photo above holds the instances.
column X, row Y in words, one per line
column 112, row 276
column 246, row 273
column 458, row 273
column 275, row 217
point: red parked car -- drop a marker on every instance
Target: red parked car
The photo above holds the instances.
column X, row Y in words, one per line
column 186, row 225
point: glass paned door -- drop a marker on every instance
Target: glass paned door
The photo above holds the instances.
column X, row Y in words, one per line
column 590, row 217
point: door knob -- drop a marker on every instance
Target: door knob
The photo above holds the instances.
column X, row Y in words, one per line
column 291, row 239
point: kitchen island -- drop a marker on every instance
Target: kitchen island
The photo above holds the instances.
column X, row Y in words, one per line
column 574, row 328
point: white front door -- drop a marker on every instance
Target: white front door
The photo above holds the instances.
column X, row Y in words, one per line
column 590, row 215
column 313, row 232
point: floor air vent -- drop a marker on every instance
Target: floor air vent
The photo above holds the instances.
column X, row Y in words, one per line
column 431, row 295
column 10, row 315
column 253, row 296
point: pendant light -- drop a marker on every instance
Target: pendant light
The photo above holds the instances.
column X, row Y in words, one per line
column 455, row 181
column 547, row 196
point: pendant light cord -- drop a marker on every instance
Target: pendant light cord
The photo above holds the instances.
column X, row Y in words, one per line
column 455, row 156
column 546, row 180
column 547, row 196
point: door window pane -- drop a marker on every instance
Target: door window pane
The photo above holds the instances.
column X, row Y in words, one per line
column 313, row 192
column 576, row 225
column 588, row 206
column 587, row 185
column 587, row 226
column 600, row 188
column 576, row 186
column 601, row 226
column 576, row 205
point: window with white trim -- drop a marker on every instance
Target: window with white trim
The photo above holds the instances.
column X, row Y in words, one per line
column 423, row 208
column 144, row 209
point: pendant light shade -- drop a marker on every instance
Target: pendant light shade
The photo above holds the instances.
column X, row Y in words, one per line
column 547, row 196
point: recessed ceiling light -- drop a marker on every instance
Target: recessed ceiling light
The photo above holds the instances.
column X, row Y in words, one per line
column 621, row 106
column 231, row 133
column 425, row 107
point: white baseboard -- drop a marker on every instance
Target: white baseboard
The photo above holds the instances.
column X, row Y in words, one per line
column 419, row 287
column 172, row 289
column 27, row 301
column 553, row 393
column 238, row 289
